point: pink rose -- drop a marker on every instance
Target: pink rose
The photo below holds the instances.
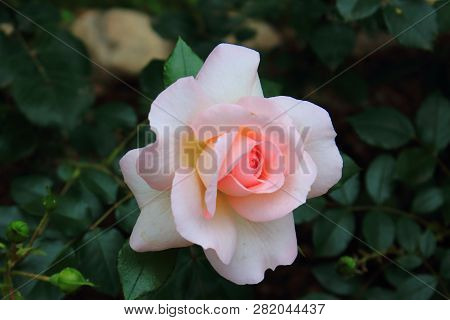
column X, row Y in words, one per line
column 228, row 168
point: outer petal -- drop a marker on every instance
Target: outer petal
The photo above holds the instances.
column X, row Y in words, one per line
column 260, row 246
column 229, row 73
column 315, row 123
column 177, row 105
column 218, row 232
column 273, row 206
column 170, row 116
column 155, row 228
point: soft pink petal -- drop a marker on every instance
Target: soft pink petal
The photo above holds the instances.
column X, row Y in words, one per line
column 315, row 124
column 240, row 147
column 221, row 118
column 209, row 165
column 277, row 127
column 260, row 246
column 266, row 110
column 155, row 228
column 157, row 163
column 243, row 180
column 230, row 73
column 272, row 206
column 232, row 187
column 177, row 105
column 169, row 116
column 218, row 232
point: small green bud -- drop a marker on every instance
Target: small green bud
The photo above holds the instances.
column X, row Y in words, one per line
column 2, row 246
column 17, row 231
column 69, row 280
column 346, row 266
column 49, row 202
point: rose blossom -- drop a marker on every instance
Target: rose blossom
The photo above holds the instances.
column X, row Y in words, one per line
column 228, row 168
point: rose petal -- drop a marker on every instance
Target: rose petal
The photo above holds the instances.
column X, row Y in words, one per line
column 177, row 105
column 229, row 73
column 209, row 165
column 232, row 187
column 277, row 127
column 241, row 181
column 218, row 232
column 315, row 123
column 221, row 118
column 272, row 206
column 260, row 246
column 169, row 116
column 155, row 228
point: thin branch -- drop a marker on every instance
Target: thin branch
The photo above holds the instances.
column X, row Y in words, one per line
column 109, row 211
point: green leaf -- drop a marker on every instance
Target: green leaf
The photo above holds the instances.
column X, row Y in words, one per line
column 151, row 79
column 141, row 273
column 357, row 9
column 383, row 127
column 319, row 296
column 415, row 166
column 75, row 211
column 17, row 138
column 101, row 184
column 420, row 287
column 409, row 262
column 304, row 24
column 408, row 233
column 127, row 214
column 413, row 22
column 379, row 178
column 433, row 121
column 378, row 293
column 347, row 194
column 310, row 210
column 445, row 212
column 28, row 191
column 271, row 88
column 51, row 84
column 350, row 168
column 395, row 276
column 333, row 232
column 98, row 259
column 66, row 172
column 116, row 114
column 378, row 230
column 445, row 265
column 183, row 62
column 71, row 216
column 194, row 278
column 41, row 13
column 7, row 50
column 328, row 277
column 428, row 200
column 333, row 43
column 443, row 16
column 427, row 243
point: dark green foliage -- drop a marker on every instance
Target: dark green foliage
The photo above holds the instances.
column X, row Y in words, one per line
column 413, row 22
column 142, row 273
column 383, row 127
column 380, row 69
column 183, row 62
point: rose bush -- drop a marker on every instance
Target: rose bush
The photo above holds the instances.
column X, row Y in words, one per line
column 228, row 168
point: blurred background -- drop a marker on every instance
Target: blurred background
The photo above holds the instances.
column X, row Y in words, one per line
column 76, row 77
